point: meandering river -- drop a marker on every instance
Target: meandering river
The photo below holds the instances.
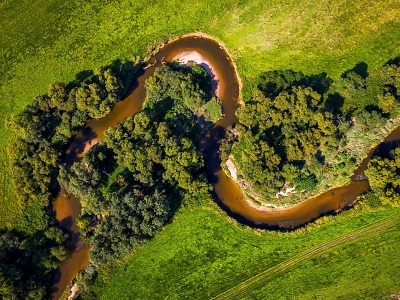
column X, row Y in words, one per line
column 67, row 207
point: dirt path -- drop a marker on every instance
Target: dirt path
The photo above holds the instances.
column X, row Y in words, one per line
column 258, row 280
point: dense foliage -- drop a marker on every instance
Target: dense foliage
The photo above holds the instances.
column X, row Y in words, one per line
column 296, row 129
column 45, row 126
column 27, row 264
column 43, row 131
column 283, row 129
column 191, row 85
column 384, row 177
column 146, row 166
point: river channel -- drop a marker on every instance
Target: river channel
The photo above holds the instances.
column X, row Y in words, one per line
column 67, row 207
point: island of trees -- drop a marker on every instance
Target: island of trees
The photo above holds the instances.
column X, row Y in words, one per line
column 308, row 133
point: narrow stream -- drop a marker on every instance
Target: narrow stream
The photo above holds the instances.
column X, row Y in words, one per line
column 68, row 208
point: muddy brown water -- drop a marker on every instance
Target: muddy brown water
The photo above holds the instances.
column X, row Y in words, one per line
column 67, row 207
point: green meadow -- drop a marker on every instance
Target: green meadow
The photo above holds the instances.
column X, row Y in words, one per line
column 201, row 256
column 202, row 252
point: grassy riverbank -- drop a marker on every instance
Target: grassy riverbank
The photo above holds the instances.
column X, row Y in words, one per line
column 203, row 256
column 47, row 41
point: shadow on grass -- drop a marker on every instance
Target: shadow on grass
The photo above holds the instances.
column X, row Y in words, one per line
column 274, row 82
column 361, row 69
column 394, row 61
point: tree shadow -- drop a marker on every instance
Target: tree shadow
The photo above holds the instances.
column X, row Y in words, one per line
column 334, row 103
column 319, row 82
column 214, row 81
column 203, row 124
column 361, row 69
column 320, row 157
column 299, row 163
column 67, row 224
column 394, row 61
column 79, row 78
column 160, row 108
column 275, row 136
column 129, row 72
column 56, row 279
column 209, row 144
column 274, row 82
column 82, row 75
column 384, row 149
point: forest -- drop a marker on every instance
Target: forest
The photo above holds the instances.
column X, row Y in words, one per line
column 297, row 129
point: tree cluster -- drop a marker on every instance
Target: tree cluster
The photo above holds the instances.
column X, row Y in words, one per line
column 284, row 131
column 189, row 85
column 368, row 101
column 146, row 166
column 389, row 100
column 296, row 127
column 380, row 90
column 384, row 177
column 43, row 130
column 27, row 263
column 45, row 127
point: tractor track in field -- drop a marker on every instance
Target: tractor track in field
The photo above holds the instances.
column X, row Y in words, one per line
column 293, row 262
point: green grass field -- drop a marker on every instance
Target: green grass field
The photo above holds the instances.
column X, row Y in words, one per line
column 247, row 286
column 200, row 256
column 202, row 253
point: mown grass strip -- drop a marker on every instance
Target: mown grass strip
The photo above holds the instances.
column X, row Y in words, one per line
column 289, row 264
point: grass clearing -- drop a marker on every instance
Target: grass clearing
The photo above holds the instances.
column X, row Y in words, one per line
column 367, row 269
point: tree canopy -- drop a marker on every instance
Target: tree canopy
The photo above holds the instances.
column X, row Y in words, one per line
column 297, row 130
column 27, row 263
column 189, row 85
column 143, row 170
column 284, row 129
column 384, row 177
column 43, row 131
